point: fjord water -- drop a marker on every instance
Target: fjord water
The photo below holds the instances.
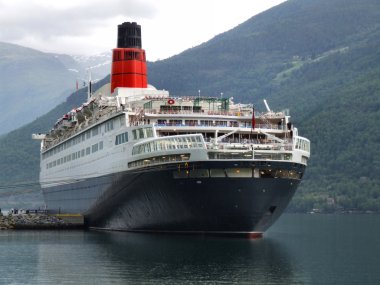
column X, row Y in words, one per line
column 298, row 249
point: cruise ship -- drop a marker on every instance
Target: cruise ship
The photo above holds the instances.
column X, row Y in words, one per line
column 134, row 158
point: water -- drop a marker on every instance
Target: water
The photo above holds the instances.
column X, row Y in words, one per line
column 298, row 249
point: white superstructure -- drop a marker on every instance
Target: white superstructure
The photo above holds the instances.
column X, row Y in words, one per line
column 131, row 128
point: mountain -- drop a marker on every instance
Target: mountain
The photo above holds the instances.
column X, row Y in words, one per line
column 319, row 58
column 100, row 64
column 19, row 155
column 33, row 82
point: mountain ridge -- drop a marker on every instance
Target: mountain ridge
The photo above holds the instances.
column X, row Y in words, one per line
column 33, row 81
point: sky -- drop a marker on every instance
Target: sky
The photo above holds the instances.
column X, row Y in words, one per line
column 87, row 27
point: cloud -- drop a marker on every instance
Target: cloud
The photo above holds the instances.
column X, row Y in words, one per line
column 46, row 20
column 89, row 26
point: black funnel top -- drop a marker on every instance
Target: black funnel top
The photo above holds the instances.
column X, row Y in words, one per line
column 129, row 35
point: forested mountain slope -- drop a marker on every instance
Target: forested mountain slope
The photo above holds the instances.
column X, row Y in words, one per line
column 320, row 59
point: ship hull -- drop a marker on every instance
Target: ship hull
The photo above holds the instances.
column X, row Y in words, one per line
column 154, row 200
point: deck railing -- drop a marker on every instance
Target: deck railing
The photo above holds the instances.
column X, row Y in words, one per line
column 246, row 126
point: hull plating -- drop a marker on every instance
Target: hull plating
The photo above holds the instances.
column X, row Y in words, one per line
column 155, row 200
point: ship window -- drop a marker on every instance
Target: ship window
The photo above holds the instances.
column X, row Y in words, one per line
column 234, row 124
column 191, row 122
column 88, row 135
column 101, row 145
column 293, row 174
column 122, row 121
column 199, row 173
column 141, row 133
column 134, row 133
column 94, row 148
column 180, row 174
column 175, row 122
column 281, row 173
column 266, row 173
column 221, row 123
column 239, row 172
column 88, row 151
column 95, row 131
column 108, row 126
column 82, row 152
column 217, row 172
column 121, row 138
column 197, row 109
column 149, row 132
column 161, row 159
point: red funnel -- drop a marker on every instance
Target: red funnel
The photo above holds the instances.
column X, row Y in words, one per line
column 128, row 59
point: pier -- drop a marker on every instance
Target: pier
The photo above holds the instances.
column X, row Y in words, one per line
column 40, row 221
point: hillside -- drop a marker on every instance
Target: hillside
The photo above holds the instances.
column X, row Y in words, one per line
column 320, row 59
column 33, row 82
column 19, row 154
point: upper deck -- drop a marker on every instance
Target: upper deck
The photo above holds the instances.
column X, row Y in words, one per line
column 228, row 130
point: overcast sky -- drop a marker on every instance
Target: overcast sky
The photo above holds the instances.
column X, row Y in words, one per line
column 87, row 27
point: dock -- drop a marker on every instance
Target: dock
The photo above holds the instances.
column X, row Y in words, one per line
column 41, row 221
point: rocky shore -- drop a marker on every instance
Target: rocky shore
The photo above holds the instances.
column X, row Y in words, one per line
column 39, row 221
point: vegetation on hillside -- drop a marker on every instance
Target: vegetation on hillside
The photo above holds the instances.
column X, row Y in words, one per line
column 321, row 60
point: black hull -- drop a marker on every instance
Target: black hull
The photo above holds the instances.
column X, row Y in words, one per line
column 151, row 200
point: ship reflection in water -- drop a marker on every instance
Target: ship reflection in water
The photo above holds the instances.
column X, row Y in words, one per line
column 300, row 249
column 116, row 257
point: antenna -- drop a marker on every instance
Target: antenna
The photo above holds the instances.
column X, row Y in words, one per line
column 266, row 106
column 90, row 81
column 89, row 85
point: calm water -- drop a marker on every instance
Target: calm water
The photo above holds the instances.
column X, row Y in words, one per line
column 298, row 249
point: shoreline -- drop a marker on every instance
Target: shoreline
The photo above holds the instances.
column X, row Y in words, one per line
column 40, row 222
